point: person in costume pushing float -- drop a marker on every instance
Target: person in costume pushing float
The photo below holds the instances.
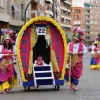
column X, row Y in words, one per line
column 76, row 50
column 95, row 53
column 7, row 72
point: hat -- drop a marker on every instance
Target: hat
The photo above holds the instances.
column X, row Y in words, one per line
column 6, row 36
column 77, row 34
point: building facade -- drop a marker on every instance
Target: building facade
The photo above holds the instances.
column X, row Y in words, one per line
column 65, row 16
column 38, row 8
column 60, row 10
column 12, row 14
column 92, row 19
column 49, row 8
column 78, row 18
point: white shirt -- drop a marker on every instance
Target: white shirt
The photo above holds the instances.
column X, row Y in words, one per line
column 44, row 64
column 76, row 47
column 1, row 55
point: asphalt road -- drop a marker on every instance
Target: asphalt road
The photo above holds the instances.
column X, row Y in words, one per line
column 89, row 89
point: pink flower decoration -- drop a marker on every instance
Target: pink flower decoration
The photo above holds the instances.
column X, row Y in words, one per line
column 80, row 32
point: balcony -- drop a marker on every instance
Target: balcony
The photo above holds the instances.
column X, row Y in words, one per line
column 87, row 17
column 34, row 13
column 64, row 24
column 87, row 23
column 65, row 16
column 49, row 1
column 64, row 7
column 87, row 8
column 87, row 13
column 49, row 12
column 68, row 2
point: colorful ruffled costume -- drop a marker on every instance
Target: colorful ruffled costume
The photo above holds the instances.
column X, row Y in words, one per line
column 95, row 60
column 76, row 59
column 8, row 77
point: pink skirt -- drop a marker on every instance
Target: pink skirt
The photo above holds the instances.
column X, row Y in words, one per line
column 77, row 70
column 5, row 74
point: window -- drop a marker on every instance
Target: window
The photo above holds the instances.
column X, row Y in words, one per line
column 41, row 2
column 91, row 16
column 95, row 22
column 12, row 9
column 91, row 32
column 95, row 1
column 91, row 27
column 27, row 13
column 95, row 17
column 91, row 11
column 91, row 22
column 95, row 12
column 87, row 37
column 2, row 3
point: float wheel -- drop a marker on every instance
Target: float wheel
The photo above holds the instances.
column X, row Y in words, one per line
column 57, row 87
column 27, row 88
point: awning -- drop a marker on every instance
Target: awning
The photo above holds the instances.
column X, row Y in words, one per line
column 16, row 9
column 87, row 5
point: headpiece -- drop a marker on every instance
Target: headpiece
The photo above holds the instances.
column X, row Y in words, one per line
column 77, row 34
column 6, row 36
column 9, row 32
column 39, row 58
column 97, row 41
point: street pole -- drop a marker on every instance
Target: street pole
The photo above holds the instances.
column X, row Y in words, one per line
column 26, row 10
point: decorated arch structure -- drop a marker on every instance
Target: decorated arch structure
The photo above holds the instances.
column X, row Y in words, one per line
column 41, row 36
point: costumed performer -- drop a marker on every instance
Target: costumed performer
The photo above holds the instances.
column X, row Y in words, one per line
column 39, row 62
column 98, row 51
column 95, row 59
column 76, row 50
column 7, row 72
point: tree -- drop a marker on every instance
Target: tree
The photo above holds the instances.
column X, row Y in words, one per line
column 98, row 34
column 68, row 40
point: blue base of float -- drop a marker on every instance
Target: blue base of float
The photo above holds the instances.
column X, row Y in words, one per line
column 43, row 82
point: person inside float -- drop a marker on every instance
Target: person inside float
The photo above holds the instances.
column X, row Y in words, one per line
column 76, row 50
column 95, row 53
column 39, row 62
column 7, row 72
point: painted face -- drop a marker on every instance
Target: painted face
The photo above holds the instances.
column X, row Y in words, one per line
column 7, row 41
column 39, row 62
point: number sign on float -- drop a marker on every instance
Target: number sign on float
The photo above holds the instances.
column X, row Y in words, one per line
column 41, row 30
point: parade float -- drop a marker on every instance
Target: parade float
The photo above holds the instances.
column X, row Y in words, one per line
column 41, row 36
